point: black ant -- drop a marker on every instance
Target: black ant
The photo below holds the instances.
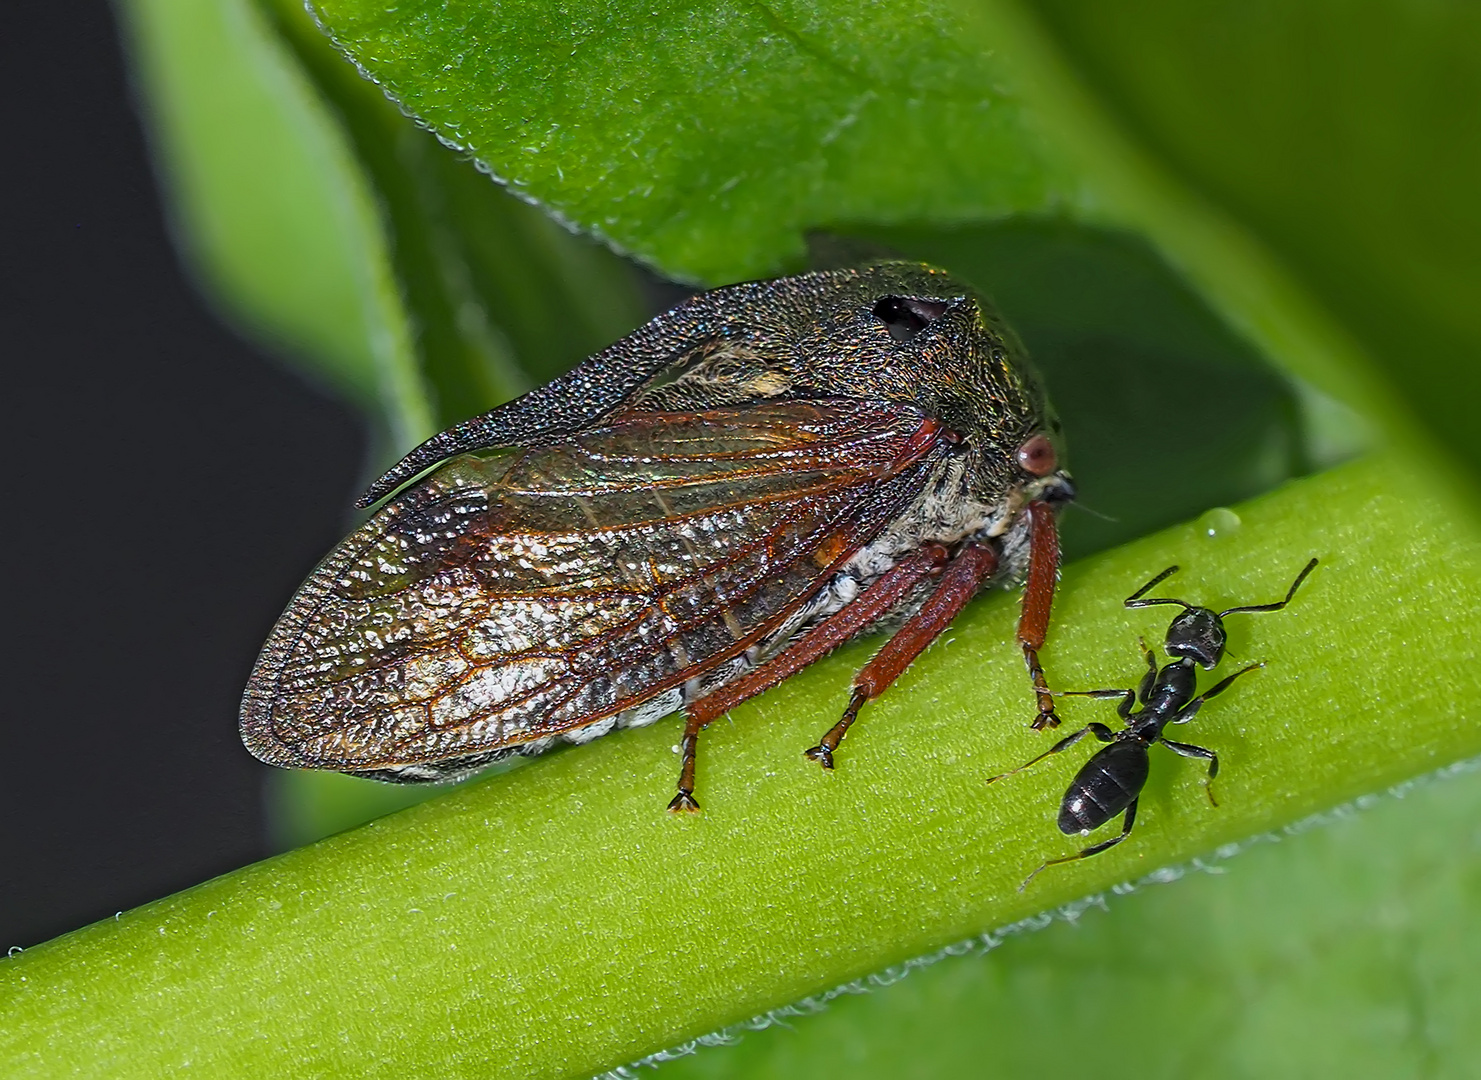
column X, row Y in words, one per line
column 1112, row 780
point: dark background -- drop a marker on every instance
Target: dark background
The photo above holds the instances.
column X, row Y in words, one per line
column 166, row 485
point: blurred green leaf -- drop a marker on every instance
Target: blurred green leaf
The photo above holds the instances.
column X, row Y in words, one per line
column 304, row 806
column 1343, row 135
column 270, row 203
column 503, row 298
column 334, row 227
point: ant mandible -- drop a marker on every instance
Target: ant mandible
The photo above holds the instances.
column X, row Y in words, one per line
column 1112, row 780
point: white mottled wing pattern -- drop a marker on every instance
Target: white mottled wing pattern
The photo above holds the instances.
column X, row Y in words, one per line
column 509, row 598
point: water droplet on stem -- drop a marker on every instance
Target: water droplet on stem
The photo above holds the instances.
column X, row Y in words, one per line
column 1220, row 521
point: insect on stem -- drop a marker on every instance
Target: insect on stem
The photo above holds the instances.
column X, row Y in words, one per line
column 1111, row 782
column 684, row 520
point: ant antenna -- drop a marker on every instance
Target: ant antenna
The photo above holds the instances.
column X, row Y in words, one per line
column 1308, row 568
column 1135, row 599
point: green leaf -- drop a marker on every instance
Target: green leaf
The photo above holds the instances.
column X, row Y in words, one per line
column 555, row 921
column 706, row 138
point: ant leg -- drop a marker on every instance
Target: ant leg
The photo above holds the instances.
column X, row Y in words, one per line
column 1135, row 599
column 1128, row 698
column 1188, row 750
column 1149, row 678
column 684, row 801
column 1308, row 568
column 1100, row 731
column 1094, row 849
column 1190, row 710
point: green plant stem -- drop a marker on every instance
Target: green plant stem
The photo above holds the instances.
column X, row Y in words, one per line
column 556, row 921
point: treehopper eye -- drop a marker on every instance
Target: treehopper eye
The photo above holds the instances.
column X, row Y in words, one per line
column 656, row 529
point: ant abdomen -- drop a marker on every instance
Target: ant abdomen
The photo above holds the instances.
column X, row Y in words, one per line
column 1104, row 786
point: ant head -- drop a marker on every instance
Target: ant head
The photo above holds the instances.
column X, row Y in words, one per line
column 1198, row 635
